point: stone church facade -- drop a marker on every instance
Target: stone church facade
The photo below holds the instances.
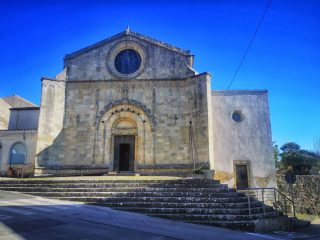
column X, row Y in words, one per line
column 131, row 103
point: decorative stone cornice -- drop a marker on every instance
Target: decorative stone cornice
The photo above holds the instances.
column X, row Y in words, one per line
column 53, row 83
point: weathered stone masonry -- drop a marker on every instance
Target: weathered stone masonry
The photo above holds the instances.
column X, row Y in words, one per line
column 306, row 192
column 134, row 92
column 162, row 132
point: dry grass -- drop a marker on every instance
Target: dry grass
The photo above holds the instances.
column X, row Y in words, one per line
column 308, row 217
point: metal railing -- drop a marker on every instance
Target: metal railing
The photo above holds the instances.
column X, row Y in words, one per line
column 270, row 197
column 22, row 170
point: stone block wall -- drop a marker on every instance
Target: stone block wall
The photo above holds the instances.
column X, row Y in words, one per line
column 306, row 192
column 51, row 118
column 168, row 106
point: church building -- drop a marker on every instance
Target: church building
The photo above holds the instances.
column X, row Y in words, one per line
column 133, row 104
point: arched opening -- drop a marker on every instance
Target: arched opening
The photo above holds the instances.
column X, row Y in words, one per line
column 130, row 125
column 18, row 154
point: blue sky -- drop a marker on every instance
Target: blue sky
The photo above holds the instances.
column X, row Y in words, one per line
column 284, row 58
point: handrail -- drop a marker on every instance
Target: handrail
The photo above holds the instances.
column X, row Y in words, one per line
column 24, row 165
column 281, row 193
column 275, row 191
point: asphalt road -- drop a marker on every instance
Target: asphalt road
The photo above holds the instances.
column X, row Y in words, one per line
column 34, row 218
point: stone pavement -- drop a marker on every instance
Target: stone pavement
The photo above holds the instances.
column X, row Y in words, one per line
column 313, row 229
column 310, row 232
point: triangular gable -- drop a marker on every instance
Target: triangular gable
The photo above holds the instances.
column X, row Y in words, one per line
column 18, row 102
column 128, row 33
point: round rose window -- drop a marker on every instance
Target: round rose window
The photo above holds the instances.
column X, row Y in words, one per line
column 127, row 61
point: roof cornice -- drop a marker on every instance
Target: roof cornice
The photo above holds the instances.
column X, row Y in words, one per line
column 125, row 80
column 128, row 33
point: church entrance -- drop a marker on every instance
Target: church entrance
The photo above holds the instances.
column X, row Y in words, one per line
column 124, row 158
column 124, row 152
column 242, row 178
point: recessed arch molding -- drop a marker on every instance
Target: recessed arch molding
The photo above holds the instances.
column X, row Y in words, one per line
column 132, row 102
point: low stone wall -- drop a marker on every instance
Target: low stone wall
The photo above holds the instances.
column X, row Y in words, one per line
column 179, row 170
column 70, row 171
column 306, row 192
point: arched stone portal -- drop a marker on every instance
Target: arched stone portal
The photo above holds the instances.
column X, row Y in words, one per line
column 125, row 138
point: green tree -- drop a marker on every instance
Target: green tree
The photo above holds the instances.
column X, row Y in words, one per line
column 290, row 147
column 316, row 143
column 299, row 160
column 276, row 155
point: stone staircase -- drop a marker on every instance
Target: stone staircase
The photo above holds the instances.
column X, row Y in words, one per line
column 190, row 200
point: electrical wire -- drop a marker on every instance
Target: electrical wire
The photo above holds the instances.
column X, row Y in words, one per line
column 248, row 48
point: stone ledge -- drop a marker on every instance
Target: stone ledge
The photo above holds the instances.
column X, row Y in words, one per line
column 76, row 167
column 69, row 171
column 280, row 223
column 172, row 166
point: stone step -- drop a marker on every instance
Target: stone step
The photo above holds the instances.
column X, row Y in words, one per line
column 218, row 217
column 130, row 194
column 156, row 199
column 191, row 200
column 242, row 205
column 115, row 189
column 109, row 181
column 118, row 185
column 197, row 211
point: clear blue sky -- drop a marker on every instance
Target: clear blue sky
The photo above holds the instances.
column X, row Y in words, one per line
column 284, row 58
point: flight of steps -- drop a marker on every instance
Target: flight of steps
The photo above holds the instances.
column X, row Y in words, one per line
column 190, row 200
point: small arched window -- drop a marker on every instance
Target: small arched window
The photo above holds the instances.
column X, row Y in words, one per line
column 18, row 154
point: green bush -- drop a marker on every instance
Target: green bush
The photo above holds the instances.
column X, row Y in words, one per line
column 200, row 169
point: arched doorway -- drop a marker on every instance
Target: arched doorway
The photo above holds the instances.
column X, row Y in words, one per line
column 125, row 135
column 124, row 153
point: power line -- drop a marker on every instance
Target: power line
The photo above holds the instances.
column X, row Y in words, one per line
column 248, row 48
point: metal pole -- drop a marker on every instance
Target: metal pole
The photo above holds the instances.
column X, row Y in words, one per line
column 292, row 198
column 10, row 158
column 193, row 159
column 264, row 206
column 275, row 198
column 285, row 205
column 249, row 205
column 192, row 144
